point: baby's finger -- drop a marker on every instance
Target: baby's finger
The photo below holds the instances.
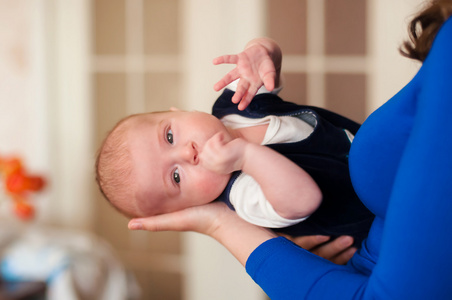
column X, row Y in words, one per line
column 269, row 81
column 211, row 149
column 216, row 141
column 247, row 98
column 245, row 101
column 225, row 59
column 227, row 79
column 242, row 87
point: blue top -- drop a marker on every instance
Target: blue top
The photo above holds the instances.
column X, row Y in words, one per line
column 401, row 168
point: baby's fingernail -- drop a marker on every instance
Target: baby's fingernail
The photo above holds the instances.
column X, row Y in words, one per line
column 135, row 226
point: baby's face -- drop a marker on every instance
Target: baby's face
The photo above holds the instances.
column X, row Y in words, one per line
column 165, row 151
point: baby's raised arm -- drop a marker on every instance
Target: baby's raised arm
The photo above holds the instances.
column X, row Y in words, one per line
column 259, row 64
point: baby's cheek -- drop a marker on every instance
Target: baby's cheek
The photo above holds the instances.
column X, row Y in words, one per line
column 213, row 185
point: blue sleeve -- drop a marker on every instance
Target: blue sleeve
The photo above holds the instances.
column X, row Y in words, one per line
column 286, row 271
column 415, row 251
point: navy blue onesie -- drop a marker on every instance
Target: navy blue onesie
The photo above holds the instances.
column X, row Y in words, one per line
column 323, row 155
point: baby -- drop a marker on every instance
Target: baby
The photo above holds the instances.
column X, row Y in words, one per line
column 274, row 162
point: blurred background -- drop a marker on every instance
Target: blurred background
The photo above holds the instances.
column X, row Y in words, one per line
column 70, row 69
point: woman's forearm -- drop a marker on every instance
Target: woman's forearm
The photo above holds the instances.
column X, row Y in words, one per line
column 240, row 237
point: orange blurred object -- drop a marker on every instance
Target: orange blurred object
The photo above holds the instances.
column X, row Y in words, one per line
column 9, row 166
column 18, row 184
column 24, row 210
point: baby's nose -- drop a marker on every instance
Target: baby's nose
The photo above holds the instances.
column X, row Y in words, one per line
column 190, row 153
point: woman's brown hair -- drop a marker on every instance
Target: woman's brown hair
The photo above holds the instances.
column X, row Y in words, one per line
column 424, row 27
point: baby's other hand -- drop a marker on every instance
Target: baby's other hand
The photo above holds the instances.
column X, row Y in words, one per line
column 222, row 156
column 254, row 69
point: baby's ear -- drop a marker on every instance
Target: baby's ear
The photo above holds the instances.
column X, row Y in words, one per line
column 172, row 108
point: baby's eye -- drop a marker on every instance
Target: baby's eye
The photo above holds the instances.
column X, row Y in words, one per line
column 176, row 176
column 169, row 136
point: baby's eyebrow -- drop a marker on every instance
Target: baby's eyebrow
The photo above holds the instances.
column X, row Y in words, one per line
column 160, row 133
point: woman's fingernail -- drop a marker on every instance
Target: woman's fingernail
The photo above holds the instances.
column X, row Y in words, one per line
column 346, row 240
column 135, row 226
column 322, row 238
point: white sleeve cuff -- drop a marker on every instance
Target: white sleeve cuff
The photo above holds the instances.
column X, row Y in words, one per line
column 233, row 87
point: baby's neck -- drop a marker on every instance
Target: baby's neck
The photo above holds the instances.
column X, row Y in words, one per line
column 252, row 134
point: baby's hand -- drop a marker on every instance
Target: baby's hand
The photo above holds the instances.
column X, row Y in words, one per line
column 255, row 68
column 221, row 156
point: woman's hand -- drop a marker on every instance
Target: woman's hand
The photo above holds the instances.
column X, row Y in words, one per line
column 215, row 220
column 203, row 219
column 259, row 64
column 339, row 250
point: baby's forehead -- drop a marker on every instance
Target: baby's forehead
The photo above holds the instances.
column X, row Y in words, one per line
column 139, row 119
column 133, row 122
column 148, row 118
